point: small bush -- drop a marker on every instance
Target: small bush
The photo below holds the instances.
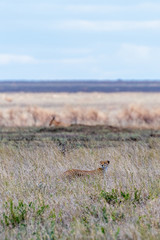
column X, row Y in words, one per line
column 17, row 214
column 110, row 197
column 14, row 215
column 117, row 197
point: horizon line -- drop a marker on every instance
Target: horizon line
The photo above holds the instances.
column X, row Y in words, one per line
column 76, row 80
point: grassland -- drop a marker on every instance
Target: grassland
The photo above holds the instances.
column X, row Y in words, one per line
column 134, row 110
column 35, row 203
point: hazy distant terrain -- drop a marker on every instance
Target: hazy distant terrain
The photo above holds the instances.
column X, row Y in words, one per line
column 80, row 86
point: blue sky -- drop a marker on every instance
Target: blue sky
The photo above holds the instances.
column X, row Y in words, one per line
column 55, row 39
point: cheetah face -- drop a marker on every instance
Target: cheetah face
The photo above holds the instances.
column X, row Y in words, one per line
column 104, row 164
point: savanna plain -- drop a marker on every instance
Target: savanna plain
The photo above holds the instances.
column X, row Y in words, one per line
column 37, row 203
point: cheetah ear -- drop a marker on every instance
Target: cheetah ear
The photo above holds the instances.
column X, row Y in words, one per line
column 108, row 162
column 101, row 162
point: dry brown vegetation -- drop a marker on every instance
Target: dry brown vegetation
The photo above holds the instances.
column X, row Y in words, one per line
column 37, row 204
column 139, row 110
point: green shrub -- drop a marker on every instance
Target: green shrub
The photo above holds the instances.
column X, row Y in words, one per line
column 110, row 197
column 17, row 214
column 14, row 215
column 117, row 197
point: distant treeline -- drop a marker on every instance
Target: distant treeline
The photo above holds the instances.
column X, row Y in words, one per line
column 80, row 86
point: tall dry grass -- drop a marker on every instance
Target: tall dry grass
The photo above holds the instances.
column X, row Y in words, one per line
column 124, row 205
column 134, row 116
column 140, row 110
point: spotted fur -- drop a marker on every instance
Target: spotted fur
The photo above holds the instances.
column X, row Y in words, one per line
column 79, row 173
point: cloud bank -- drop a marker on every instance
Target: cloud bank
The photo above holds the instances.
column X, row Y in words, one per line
column 105, row 26
column 20, row 59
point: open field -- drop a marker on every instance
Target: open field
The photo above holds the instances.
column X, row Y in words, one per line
column 134, row 110
column 36, row 203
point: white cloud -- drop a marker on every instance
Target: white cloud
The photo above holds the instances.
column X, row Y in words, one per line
column 20, row 59
column 130, row 53
column 74, row 51
column 50, row 7
column 6, row 59
column 93, row 8
column 71, row 61
column 106, row 26
column 102, row 8
column 83, row 60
